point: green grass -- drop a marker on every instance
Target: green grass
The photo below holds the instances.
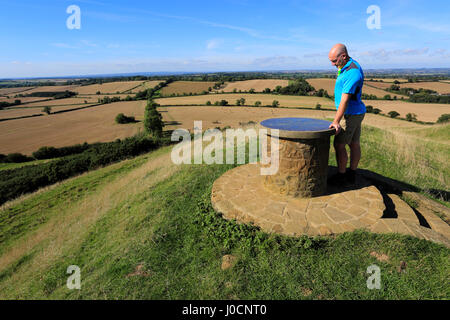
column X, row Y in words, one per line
column 171, row 231
column 8, row 166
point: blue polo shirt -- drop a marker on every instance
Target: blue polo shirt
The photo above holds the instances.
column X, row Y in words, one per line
column 350, row 80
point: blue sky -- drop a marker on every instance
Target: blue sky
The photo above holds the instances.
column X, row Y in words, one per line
column 226, row 35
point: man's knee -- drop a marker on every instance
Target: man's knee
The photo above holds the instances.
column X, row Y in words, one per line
column 339, row 146
column 354, row 145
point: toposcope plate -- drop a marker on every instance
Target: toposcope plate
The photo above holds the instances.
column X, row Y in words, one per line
column 299, row 128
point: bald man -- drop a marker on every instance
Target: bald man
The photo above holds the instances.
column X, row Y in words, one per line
column 350, row 109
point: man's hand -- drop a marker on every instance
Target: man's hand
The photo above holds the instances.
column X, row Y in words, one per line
column 336, row 126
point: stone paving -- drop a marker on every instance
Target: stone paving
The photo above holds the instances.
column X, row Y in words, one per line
column 241, row 194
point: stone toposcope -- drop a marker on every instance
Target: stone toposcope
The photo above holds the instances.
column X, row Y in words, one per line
column 304, row 146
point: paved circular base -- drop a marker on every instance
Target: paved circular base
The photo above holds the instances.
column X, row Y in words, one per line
column 240, row 194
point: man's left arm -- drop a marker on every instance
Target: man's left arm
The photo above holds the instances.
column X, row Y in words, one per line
column 341, row 111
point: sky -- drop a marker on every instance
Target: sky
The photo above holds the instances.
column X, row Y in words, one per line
column 118, row 36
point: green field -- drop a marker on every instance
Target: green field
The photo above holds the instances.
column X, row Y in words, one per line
column 145, row 229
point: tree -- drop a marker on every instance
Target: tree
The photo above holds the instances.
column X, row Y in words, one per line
column 47, row 109
column 411, row 117
column 242, row 100
column 275, row 104
column 153, row 123
column 318, row 106
column 376, row 111
column 251, row 90
column 238, row 102
column 444, row 118
column 393, row 114
column 387, row 97
column 369, row 109
column 257, row 103
column 122, row 119
column 208, row 103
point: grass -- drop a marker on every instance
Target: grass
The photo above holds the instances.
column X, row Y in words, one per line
column 145, row 229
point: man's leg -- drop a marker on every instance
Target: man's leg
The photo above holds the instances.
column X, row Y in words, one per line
column 341, row 156
column 355, row 155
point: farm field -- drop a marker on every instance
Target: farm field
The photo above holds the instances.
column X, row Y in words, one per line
column 109, row 87
column 258, row 84
column 13, row 91
column 50, row 89
column 28, row 111
column 23, row 100
column 250, row 99
column 185, row 87
column 440, row 87
column 215, row 116
column 19, row 112
column 429, row 112
column 390, row 80
column 144, row 86
column 57, row 130
column 328, row 85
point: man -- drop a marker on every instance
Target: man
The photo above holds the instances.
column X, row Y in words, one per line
column 347, row 97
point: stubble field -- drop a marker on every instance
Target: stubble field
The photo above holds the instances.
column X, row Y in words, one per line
column 185, row 87
column 250, row 99
column 328, row 84
column 94, row 124
column 258, row 85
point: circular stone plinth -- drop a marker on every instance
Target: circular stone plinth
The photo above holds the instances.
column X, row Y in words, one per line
column 239, row 194
column 304, row 146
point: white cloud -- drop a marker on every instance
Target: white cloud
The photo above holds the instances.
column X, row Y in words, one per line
column 213, row 43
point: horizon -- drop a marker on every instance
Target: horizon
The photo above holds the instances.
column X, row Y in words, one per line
column 403, row 71
column 230, row 36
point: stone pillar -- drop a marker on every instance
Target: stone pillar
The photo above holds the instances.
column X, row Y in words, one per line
column 303, row 167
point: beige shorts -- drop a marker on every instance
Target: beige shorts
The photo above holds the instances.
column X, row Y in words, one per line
column 351, row 129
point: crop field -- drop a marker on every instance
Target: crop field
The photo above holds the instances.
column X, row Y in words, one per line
column 23, row 100
column 51, row 89
column 440, row 87
column 258, row 85
column 12, row 113
column 13, row 91
column 389, row 80
column 109, row 87
column 250, row 99
column 215, row 116
column 429, row 112
column 19, row 112
column 328, row 85
column 144, row 86
column 91, row 125
column 185, row 87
